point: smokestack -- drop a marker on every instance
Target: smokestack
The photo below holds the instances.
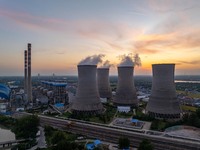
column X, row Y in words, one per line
column 104, row 83
column 25, row 71
column 163, row 102
column 87, row 96
column 29, row 74
column 126, row 92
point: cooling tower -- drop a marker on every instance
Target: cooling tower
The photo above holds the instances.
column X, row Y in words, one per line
column 162, row 101
column 126, row 92
column 25, row 72
column 87, row 96
column 103, row 83
column 29, row 91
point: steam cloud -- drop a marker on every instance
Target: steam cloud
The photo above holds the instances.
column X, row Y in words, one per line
column 106, row 64
column 130, row 60
column 137, row 60
column 92, row 60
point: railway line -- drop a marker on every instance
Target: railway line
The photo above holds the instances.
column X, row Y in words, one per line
column 113, row 133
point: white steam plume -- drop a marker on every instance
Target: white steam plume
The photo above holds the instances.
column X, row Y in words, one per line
column 137, row 60
column 130, row 60
column 92, row 60
column 106, row 64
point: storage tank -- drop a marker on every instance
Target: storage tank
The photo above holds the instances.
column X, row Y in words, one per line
column 50, row 93
column 126, row 92
column 87, row 96
column 163, row 102
column 104, row 83
column 45, row 91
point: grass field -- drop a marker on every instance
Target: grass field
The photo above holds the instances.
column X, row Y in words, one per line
column 193, row 95
column 188, row 108
column 124, row 115
column 189, row 94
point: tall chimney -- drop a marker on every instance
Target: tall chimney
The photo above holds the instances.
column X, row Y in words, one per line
column 104, row 83
column 126, row 92
column 25, row 71
column 162, row 101
column 87, row 95
column 29, row 74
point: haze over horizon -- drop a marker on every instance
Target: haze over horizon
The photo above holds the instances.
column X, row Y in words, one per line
column 62, row 33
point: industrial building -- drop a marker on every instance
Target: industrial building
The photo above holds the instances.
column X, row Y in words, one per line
column 104, row 83
column 163, row 102
column 4, row 92
column 55, row 91
column 126, row 92
column 87, row 96
column 4, row 98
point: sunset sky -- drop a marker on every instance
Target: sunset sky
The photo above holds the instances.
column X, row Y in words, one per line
column 63, row 32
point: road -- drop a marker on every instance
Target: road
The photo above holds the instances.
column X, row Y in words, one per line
column 41, row 140
column 112, row 134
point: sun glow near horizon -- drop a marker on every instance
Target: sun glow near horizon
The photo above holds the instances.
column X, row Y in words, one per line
column 63, row 34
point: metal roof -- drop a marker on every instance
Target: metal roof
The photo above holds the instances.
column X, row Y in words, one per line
column 58, row 84
column 4, row 91
column 59, row 105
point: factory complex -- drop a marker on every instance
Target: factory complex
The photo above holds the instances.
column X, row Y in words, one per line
column 94, row 87
column 113, row 105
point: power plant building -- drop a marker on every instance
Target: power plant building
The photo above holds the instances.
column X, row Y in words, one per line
column 163, row 102
column 126, row 92
column 103, row 83
column 87, row 96
column 54, row 90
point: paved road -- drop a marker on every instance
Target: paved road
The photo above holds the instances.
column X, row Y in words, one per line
column 41, row 140
column 147, row 125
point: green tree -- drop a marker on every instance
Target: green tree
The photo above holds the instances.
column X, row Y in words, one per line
column 123, row 142
column 66, row 145
column 198, row 112
column 49, row 133
column 6, row 121
column 145, row 145
column 63, row 145
column 185, row 118
column 26, row 127
column 97, row 148
column 57, row 137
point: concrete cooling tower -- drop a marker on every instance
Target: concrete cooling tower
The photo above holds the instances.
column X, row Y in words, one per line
column 163, row 102
column 126, row 92
column 104, row 83
column 87, row 96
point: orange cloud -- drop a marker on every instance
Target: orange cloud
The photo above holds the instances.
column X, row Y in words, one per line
column 179, row 41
